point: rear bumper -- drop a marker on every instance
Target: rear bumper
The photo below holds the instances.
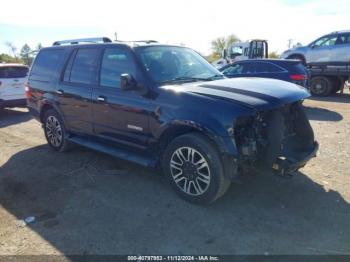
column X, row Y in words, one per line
column 287, row 166
column 12, row 103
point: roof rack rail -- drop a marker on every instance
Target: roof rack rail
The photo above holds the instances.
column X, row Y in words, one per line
column 84, row 40
column 139, row 41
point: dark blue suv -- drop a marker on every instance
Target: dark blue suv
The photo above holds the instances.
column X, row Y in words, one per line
column 166, row 107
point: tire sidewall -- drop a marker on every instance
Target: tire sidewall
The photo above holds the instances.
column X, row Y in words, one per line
column 214, row 162
column 328, row 86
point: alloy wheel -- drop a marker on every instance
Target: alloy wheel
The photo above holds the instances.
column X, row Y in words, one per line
column 54, row 131
column 190, row 171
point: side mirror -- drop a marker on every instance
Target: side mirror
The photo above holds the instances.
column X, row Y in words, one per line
column 127, row 82
column 313, row 46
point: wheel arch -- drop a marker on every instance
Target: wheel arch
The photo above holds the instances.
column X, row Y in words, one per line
column 45, row 106
column 175, row 129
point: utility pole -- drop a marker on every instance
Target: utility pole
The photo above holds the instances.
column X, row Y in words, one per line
column 290, row 42
column 115, row 36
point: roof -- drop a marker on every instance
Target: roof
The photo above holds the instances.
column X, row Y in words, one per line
column 341, row 31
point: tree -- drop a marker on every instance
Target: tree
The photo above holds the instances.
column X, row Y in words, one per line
column 219, row 44
column 38, row 47
column 5, row 58
column 26, row 54
column 13, row 48
column 274, row 54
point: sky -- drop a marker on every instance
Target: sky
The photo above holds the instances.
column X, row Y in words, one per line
column 194, row 23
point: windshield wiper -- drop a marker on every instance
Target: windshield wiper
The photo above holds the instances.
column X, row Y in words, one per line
column 213, row 77
column 191, row 79
column 184, row 79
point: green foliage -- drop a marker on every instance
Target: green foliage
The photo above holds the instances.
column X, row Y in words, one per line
column 5, row 58
column 213, row 57
column 26, row 54
column 274, row 54
column 219, row 44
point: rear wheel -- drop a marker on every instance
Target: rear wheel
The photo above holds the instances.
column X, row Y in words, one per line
column 320, row 86
column 55, row 131
column 193, row 168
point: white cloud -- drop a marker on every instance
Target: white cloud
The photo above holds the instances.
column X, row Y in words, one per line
column 194, row 23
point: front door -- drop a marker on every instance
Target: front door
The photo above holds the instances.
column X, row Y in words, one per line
column 120, row 116
column 320, row 50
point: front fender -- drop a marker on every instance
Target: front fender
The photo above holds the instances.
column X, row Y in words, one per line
column 225, row 144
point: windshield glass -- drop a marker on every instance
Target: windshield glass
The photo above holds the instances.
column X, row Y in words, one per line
column 167, row 64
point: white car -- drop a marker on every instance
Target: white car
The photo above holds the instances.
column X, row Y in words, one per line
column 13, row 78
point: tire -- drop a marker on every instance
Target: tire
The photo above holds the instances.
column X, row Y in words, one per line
column 193, row 168
column 55, row 131
column 320, row 86
column 338, row 84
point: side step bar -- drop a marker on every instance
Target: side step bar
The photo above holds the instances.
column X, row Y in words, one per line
column 113, row 151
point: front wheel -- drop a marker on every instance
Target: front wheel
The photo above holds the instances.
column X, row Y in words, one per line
column 194, row 169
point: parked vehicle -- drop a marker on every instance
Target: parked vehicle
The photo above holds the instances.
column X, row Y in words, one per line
column 12, row 81
column 252, row 49
column 328, row 61
column 166, row 106
column 282, row 69
column 333, row 47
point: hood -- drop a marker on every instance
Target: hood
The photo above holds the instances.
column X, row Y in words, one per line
column 251, row 92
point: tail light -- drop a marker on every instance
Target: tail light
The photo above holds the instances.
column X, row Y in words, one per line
column 28, row 92
column 0, row 83
column 298, row 77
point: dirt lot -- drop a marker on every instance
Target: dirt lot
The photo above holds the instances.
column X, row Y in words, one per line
column 89, row 203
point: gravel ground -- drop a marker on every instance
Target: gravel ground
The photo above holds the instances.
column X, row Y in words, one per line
column 85, row 202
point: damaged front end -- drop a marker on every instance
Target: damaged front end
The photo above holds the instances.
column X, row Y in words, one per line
column 281, row 139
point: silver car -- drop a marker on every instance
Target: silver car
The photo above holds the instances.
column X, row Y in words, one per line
column 333, row 47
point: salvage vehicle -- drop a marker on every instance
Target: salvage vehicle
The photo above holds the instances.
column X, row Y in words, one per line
column 12, row 81
column 328, row 61
column 333, row 47
column 238, row 51
column 166, row 107
column 287, row 70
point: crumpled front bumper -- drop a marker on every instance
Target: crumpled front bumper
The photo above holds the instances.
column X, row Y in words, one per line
column 286, row 166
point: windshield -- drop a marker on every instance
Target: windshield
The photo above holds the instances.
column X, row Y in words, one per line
column 168, row 64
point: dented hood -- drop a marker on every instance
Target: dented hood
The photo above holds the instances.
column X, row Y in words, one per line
column 252, row 92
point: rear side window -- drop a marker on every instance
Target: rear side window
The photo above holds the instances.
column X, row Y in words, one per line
column 116, row 61
column 83, row 70
column 343, row 39
column 267, row 68
column 13, row 72
column 46, row 64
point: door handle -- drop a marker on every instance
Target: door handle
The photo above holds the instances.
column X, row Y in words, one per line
column 59, row 91
column 101, row 99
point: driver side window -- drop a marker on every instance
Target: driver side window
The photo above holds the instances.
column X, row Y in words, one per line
column 116, row 61
column 326, row 41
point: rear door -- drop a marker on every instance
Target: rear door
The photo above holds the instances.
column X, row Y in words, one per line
column 270, row 70
column 341, row 50
column 74, row 92
column 12, row 82
column 120, row 116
